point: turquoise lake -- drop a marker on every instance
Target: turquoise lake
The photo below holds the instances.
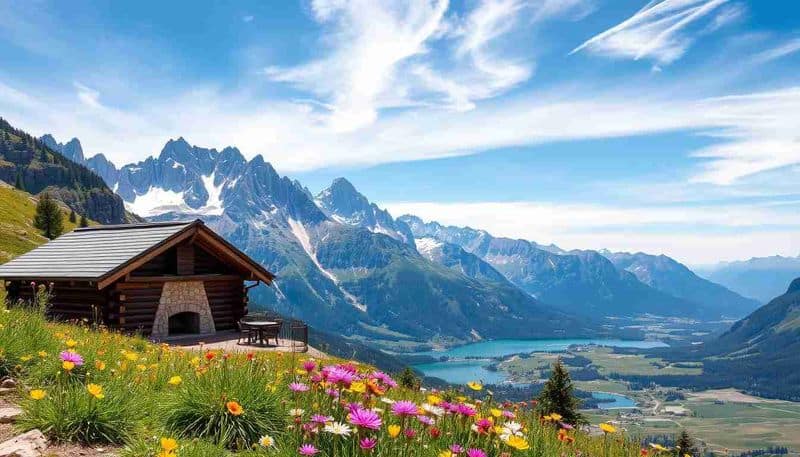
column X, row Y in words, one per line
column 619, row 401
column 468, row 363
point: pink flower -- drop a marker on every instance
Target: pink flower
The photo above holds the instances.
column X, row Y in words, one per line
column 475, row 453
column 338, row 375
column 425, row 420
column 307, row 449
column 320, row 419
column 410, row 433
column 298, row 387
column 365, row 418
column 309, row 365
column 404, row 408
column 74, row 357
column 508, row 414
column 367, row 444
column 385, row 379
column 456, row 448
column 465, row 410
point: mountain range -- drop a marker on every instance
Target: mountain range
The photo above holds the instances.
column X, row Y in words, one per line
column 346, row 265
column 761, row 278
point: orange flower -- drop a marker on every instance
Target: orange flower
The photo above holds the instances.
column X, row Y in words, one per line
column 209, row 355
column 234, row 408
column 374, row 388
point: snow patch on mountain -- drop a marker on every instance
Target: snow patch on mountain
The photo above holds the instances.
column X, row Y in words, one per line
column 299, row 231
column 426, row 246
column 157, row 201
column 213, row 206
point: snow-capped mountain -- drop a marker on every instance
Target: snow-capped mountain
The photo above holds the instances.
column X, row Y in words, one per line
column 344, row 265
column 345, row 204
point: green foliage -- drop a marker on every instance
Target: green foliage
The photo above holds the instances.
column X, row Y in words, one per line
column 149, row 447
column 684, row 444
column 408, row 379
column 48, row 217
column 557, row 396
column 84, row 222
column 18, row 183
column 72, row 217
column 198, row 408
column 29, row 328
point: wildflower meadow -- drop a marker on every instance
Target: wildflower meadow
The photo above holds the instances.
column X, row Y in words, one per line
column 95, row 386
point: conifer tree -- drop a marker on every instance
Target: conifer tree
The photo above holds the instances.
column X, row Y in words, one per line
column 557, row 396
column 48, row 217
column 684, row 445
column 408, row 379
column 84, row 222
column 19, row 184
column 72, row 217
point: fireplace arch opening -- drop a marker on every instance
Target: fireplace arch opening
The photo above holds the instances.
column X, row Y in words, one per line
column 184, row 323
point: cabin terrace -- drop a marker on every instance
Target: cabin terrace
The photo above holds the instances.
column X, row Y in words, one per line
column 162, row 279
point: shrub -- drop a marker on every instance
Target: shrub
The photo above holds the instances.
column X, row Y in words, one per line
column 187, row 448
column 71, row 413
column 23, row 333
column 207, row 405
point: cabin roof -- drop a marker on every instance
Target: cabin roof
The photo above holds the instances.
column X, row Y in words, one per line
column 104, row 252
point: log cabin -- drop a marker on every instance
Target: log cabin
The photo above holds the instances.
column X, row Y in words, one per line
column 160, row 279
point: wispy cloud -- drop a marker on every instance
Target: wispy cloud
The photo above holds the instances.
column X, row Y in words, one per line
column 693, row 234
column 782, row 50
column 661, row 31
column 382, row 55
column 248, row 18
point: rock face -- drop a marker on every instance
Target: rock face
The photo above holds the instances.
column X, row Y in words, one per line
column 9, row 414
column 344, row 203
column 30, row 444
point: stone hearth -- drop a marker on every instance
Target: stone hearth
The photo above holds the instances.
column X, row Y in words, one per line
column 182, row 297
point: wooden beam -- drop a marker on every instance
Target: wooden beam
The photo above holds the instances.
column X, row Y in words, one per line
column 169, row 278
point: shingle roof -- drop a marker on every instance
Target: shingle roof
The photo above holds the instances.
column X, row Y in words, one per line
column 91, row 252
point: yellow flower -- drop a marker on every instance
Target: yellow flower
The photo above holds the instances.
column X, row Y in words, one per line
column 132, row 356
column 38, row 394
column 358, row 387
column 393, row 430
column 495, row 412
column 234, row 408
column 446, row 453
column 68, row 366
column 169, row 444
column 475, row 385
column 555, row 417
column 141, row 367
column 607, row 428
column 25, row 358
column 71, row 343
column 42, row 354
column 434, row 400
column 96, row 391
column 175, row 381
column 517, row 443
column 100, row 365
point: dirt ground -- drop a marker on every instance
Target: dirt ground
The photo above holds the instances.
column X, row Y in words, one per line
column 729, row 395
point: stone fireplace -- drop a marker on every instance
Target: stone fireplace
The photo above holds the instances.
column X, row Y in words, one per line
column 183, row 308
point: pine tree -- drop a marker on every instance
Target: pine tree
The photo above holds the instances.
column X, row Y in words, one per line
column 557, row 396
column 684, row 445
column 72, row 217
column 19, row 184
column 48, row 217
column 84, row 222
column 408, row 379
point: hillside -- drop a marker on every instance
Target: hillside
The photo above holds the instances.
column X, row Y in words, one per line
column 668, row 275
column 27, row 162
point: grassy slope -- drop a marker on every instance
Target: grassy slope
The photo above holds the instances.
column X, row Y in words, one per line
column 17, row 209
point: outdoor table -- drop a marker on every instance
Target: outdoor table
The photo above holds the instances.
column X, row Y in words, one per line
column 259, row 327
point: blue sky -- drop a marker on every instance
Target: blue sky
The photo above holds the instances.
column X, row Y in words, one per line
column 670, row 126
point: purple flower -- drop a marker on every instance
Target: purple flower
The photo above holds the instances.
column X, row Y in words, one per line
column 309, row 365
column 298, row 387
column 307, row 449
column 385, row 379
column 465, row 410
column 365, row 418
column 367, row 444
column 456, row 448
column 425, row 420
column 404, row 408
column 74, row 357
column 475, row 453
column 565, row 426
column 338, row 375
column 320, row 419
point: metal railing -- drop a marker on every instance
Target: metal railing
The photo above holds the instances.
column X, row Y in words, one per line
column 293, row 333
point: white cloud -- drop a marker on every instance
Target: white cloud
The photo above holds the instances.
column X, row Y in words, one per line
column 692, row 234
column 248, row 18
column 783, row 50
column 660, row 30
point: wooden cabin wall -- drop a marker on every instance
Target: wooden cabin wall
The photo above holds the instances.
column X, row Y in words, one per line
column 133, row 305
column 163, row 264
column 226, row 299
column 205, row 263
column 70, row 300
